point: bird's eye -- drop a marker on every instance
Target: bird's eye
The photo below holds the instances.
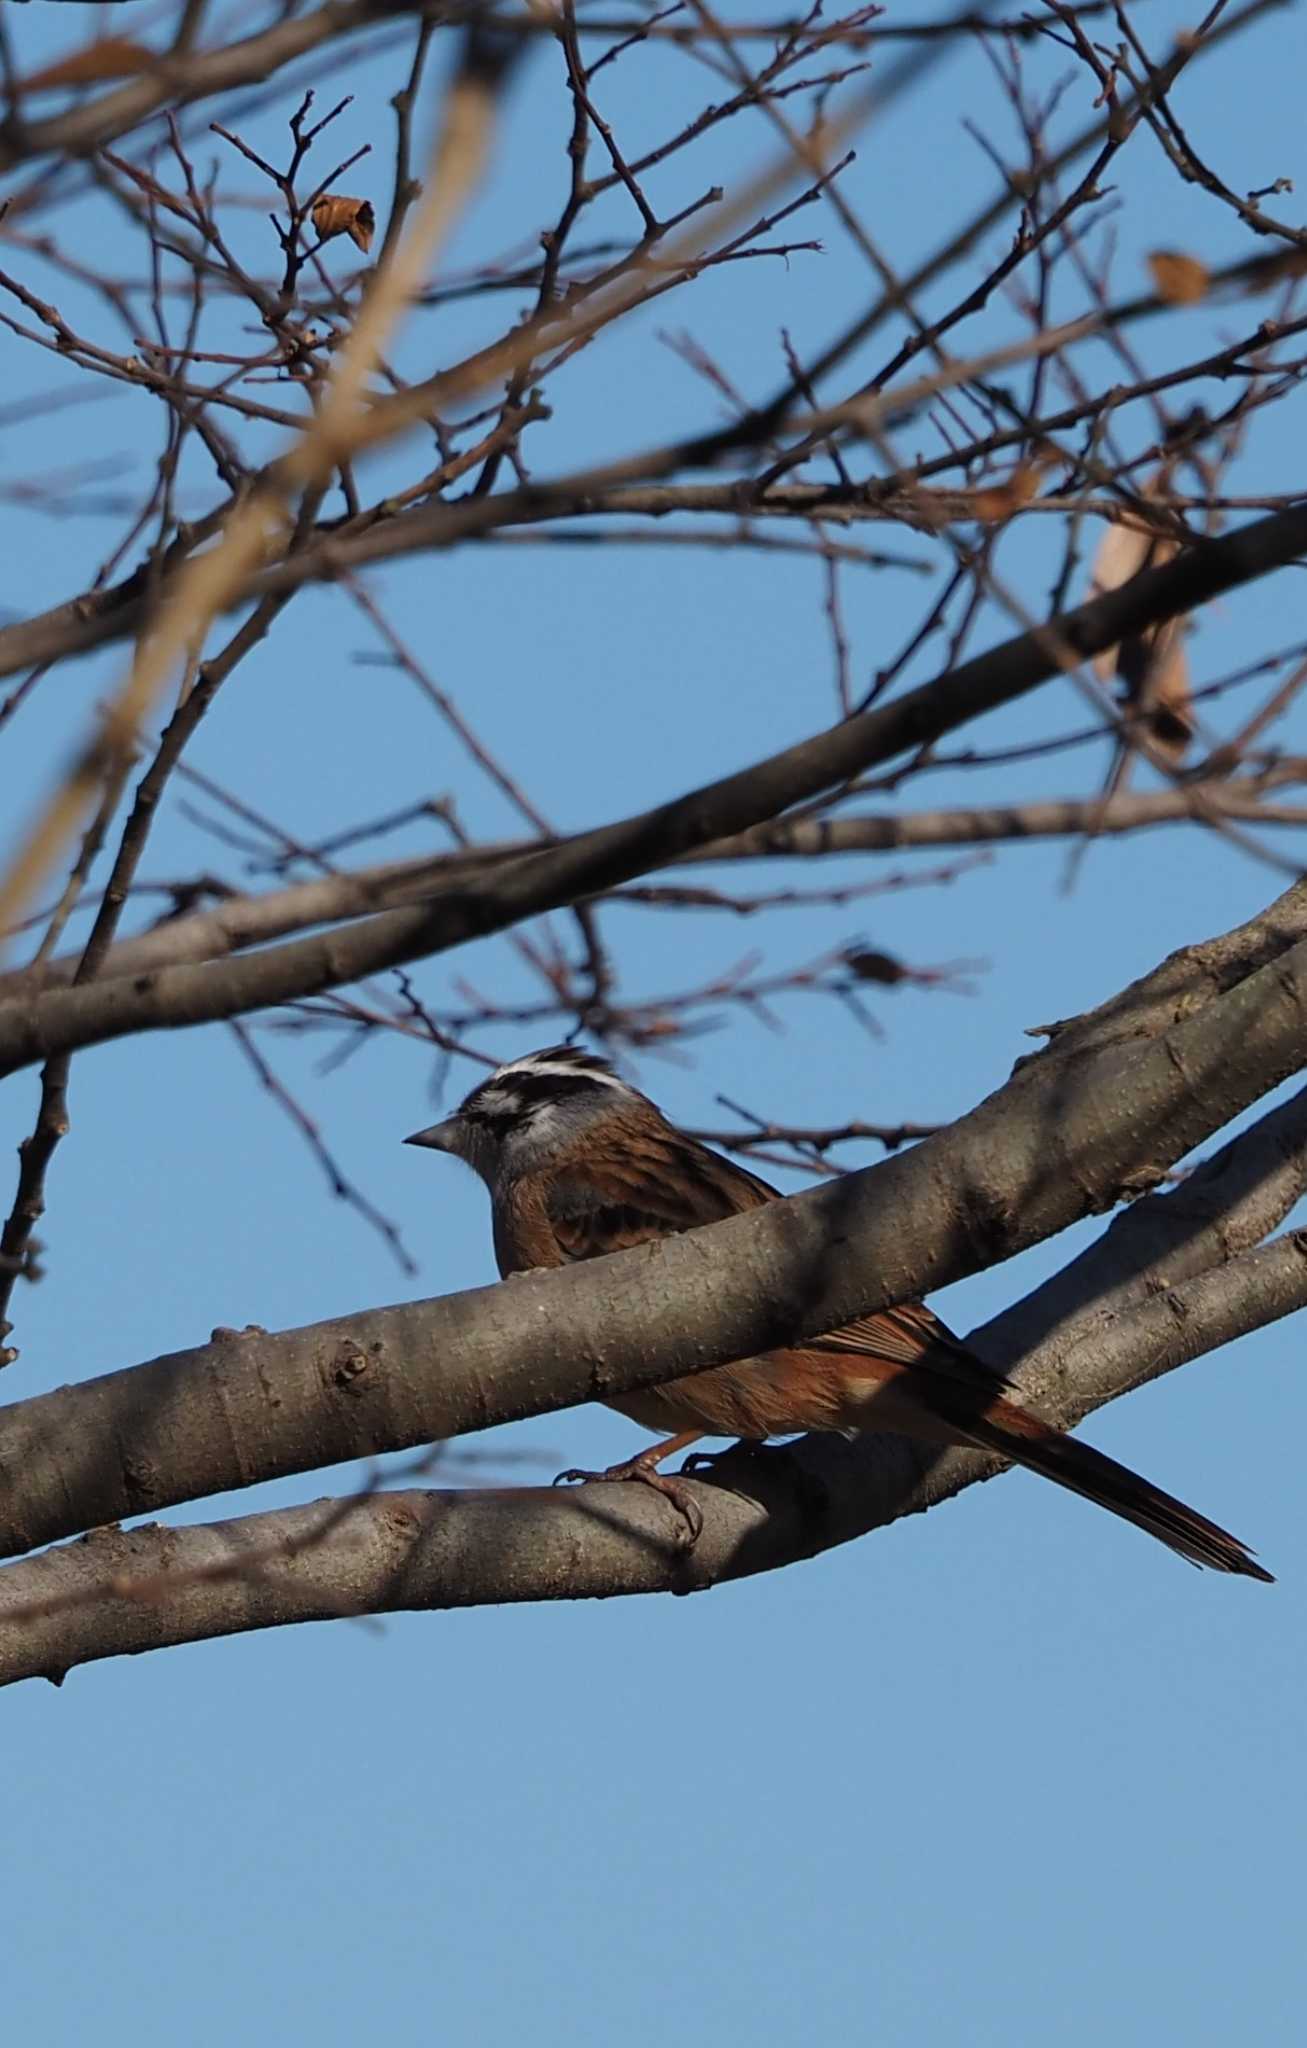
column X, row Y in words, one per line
column 488, row 1108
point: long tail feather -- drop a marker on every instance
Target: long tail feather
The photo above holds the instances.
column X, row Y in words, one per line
column 1084, row 1470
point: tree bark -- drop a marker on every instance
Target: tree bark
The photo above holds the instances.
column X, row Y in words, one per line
column 118, row 1592
column 1117, row 1099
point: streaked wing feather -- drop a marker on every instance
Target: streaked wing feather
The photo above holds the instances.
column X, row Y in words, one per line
column 913, row 1335
column 625, row 1197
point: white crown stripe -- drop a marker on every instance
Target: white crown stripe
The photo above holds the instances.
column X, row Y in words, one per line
column 560, row 1071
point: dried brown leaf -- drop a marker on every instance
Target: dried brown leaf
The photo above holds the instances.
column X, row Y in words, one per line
column 335, row 214
column 1153, row 666
column 110, row 57
column 1122, row 553
column 1178, row 280
column 1000, row 501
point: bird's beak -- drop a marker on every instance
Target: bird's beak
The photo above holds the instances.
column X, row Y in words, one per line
column 440, row 1137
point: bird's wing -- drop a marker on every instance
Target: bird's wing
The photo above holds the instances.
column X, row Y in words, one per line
column 625, row 1196
column 952, row 1380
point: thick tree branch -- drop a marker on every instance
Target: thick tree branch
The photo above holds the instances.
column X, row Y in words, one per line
column 119, row 1592
column 1224, row 1208
column 65, row 1019
column 1064, row 1138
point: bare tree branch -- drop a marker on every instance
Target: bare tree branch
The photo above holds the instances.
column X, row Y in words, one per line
column 186, row 288
column 1066, row 1137
column 1223, row 1209
column 237, row 920
column 118, row 1592
column 65, row 1019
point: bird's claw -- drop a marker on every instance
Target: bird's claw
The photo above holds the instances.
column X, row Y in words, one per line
column 687, row 1507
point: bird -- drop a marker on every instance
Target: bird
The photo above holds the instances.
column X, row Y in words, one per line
column 579, row 1163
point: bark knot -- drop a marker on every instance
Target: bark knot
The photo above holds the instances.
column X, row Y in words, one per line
column 347, row 1365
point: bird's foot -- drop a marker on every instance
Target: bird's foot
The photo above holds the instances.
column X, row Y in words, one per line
column 642, row 1469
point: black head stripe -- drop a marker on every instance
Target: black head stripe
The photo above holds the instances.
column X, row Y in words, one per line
column 495, row 1120
column 512, row 1097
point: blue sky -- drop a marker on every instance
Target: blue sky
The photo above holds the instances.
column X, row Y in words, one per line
column 1005, row 1773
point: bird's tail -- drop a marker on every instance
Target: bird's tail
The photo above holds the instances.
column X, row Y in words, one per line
column 1015, row 1434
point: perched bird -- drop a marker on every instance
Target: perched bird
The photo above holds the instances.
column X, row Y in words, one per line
column 578, row 1163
